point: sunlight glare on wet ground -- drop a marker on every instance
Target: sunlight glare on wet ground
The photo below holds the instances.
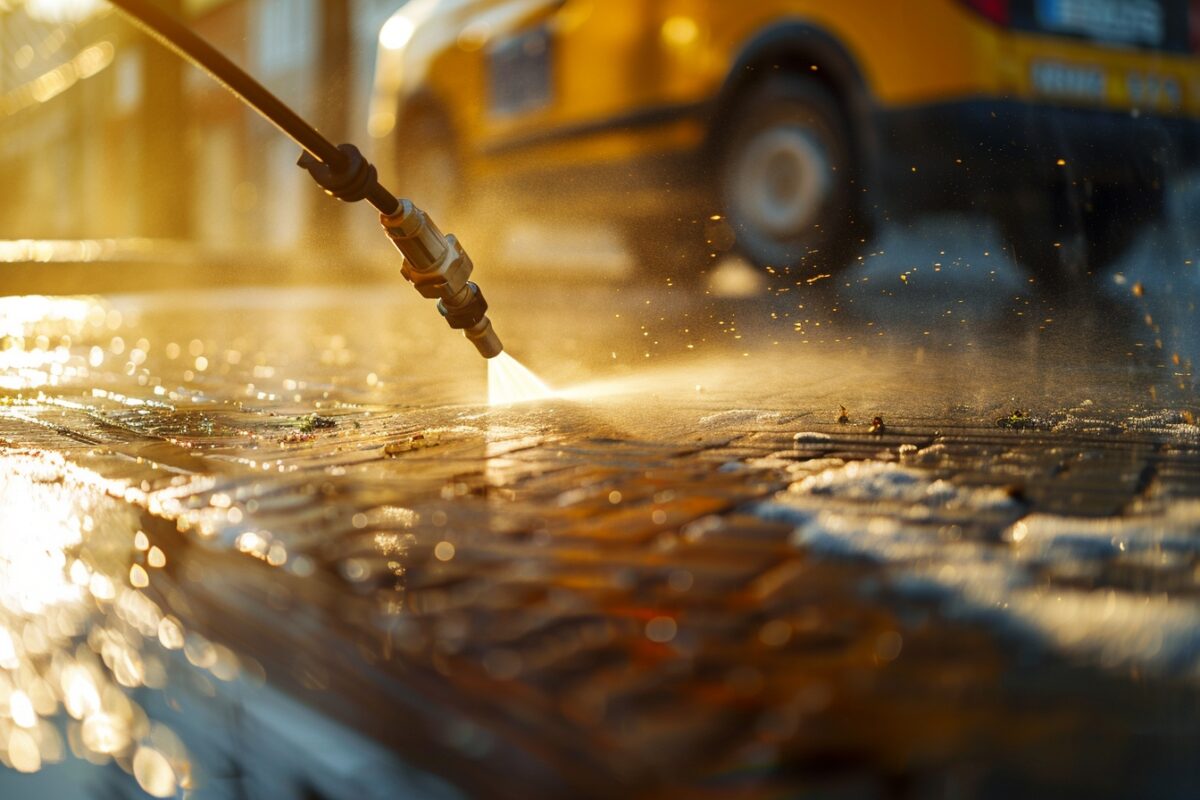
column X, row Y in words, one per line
column 37, row 335
column 510, row 381
column 235, row 403
column 75, row 639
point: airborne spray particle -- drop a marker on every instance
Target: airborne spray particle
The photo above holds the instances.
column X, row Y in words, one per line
column 510, row 382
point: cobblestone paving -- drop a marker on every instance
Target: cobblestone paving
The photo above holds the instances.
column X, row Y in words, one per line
column 978, row 604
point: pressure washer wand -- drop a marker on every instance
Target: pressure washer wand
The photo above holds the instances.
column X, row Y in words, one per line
column 433, row 262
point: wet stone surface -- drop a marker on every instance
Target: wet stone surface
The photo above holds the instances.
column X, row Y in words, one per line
column 647, row 590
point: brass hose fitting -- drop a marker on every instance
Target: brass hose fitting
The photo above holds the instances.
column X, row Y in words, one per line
column 440, row 269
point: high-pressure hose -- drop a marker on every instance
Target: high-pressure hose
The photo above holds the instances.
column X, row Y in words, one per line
column 435, row 263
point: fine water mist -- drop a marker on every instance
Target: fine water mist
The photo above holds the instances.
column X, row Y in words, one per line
column 510, row 381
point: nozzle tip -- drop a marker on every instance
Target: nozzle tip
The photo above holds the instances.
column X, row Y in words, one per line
column 485, row 339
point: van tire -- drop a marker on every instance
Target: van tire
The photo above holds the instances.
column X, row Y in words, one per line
column 787, row 178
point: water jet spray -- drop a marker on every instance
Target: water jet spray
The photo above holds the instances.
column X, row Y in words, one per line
column 510, row 382
column 436, row 264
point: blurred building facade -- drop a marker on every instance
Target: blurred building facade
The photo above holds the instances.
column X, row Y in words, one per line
column 106, row 134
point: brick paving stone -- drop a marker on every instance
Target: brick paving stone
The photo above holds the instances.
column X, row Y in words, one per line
column 723, row 610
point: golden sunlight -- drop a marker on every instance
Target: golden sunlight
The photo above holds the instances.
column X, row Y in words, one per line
column 62, row 10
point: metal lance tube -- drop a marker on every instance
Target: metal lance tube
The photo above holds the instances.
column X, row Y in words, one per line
column 436, row 264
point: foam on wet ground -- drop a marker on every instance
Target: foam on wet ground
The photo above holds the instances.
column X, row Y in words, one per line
column 1118, row 592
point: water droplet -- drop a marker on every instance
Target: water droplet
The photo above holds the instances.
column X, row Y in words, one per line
column 680, row 580
column 277, row 555
column 80, row 695
column 199, row 651
column 105, row 733
column 23, row 752
column 661, row 629
column 888, row 646
column 154, row 772
column 775, row 633
column 21, row 708
column 101, row 587
column 156, row 558
column 170, row 633
column 79, row 573
column 127, row 667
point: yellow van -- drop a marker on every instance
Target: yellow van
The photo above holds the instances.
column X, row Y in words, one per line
column 788, row 128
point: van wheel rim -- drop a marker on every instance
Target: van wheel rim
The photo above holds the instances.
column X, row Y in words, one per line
column 781, row 179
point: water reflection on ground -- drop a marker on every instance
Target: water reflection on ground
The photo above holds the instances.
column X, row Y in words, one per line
column 78, row 638
column 259, row 542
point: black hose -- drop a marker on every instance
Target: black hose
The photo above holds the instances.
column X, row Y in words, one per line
column 176, row 36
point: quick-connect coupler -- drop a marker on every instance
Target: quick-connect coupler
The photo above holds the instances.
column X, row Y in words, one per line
column 440, row 269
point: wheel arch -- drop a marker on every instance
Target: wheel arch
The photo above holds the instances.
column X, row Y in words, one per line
column 423, row 120
column 417, row 113
column 418, row 107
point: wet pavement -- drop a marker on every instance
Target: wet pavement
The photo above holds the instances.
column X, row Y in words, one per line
column 274, row 543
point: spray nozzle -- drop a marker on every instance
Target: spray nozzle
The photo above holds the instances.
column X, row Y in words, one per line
column 440, row 269
column 436, row 264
